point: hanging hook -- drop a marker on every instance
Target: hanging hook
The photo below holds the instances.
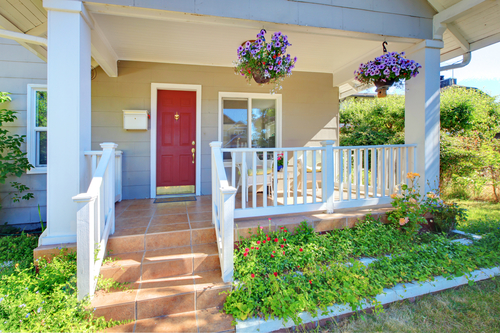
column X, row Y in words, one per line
column 383, row 46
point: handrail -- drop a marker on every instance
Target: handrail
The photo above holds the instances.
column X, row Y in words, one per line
column 223, row 199
column 95, row 157
column 95, row 221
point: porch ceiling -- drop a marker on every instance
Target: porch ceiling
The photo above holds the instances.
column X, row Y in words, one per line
column 214, row 43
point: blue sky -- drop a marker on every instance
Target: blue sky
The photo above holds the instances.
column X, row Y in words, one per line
column 483, row 72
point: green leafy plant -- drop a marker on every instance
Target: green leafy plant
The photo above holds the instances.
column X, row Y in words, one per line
column 13, row 161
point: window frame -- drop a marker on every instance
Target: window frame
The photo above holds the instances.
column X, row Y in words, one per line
column 249, row 96
column 32, row 129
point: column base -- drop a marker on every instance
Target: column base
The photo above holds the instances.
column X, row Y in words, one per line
column 49, row 251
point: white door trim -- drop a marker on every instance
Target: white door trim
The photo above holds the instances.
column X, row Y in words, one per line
column 154, row 101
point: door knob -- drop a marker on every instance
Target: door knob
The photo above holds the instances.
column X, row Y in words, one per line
column 193, row 150
column 193, row 143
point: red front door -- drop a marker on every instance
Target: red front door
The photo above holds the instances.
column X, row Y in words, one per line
column 176, row 128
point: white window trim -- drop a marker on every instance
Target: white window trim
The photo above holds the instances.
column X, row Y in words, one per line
column 31, row 135
column 276, row 97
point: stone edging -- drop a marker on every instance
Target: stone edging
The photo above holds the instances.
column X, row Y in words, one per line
column 397, row 293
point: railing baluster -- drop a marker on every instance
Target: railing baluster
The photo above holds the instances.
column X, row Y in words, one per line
column 367, row 185
column 244, row 174
column 264, row 174
column 358, row 173
column 275, row 179
column 398, row 180
column 407, row 166
column 233, row 170
column 349, row 178
column 254, row 179
column 304, row 177
column 341, row 175
column 391, row 171
column 314, row 176
column 384, row 171
column 374, row 172
column 285, row 178
column 295, row 177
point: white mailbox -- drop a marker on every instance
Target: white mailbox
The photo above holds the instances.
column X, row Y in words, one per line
column 135, row 119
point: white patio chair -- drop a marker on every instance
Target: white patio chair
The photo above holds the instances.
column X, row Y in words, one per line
column 249, row 167
column 309, row 170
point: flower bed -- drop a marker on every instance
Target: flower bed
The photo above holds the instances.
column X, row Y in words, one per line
column 280, row 275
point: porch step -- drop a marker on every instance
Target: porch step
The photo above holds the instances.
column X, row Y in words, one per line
column 321, row 222
column 174, row 275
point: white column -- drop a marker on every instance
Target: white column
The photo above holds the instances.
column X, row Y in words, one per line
column 422, row 111
column 68, row 81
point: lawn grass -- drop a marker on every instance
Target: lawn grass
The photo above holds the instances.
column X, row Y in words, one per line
column 465, row 309
column 483, row 216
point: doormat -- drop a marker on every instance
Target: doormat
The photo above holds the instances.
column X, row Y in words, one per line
column 177, row 199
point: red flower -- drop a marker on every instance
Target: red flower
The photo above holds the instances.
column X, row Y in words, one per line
column 263, row 242
column 301, row 250
column 274, row 251
column 258, row 242
column 245, row 254
column 276, row 240
column 247, row 249
column 264, row 63
column 248, row 71
column 268, row 238
column 284, row 239
column 253, row 275
column 256, row 248
column 282, row 246
column 310, row 281
column 274, row 56
column 298, row 266
column 282, row 228
column 285, row 231
column 272, row 256
column 252, row 248
column 283, row 252
column 275, row 274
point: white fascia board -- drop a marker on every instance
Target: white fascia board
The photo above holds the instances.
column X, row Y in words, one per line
column 103, row 53
column 452, row 13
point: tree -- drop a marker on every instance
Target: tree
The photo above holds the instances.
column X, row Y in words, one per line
column 469, row 151
column 13, row 161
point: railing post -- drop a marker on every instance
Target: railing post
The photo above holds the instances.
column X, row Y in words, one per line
column 111, row 185
column 85, row 244
column 227, row 218
column 330, row 181
column 215, row 146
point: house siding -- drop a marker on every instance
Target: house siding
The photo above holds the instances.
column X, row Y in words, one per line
column 310, row 107
column 18, row 68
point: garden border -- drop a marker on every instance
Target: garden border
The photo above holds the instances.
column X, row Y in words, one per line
column 399, row 292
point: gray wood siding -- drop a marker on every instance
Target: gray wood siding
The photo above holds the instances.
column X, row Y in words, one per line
column 18, row 68
column 310, row 110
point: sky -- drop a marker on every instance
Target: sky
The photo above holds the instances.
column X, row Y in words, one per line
column 483, row 71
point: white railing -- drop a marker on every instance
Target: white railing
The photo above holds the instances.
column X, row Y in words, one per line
column 310, row 179
column 223, row 197
column 94, row 157
column 317, row 178
column 95, row 221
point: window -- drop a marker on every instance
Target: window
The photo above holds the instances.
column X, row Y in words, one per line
column 249, row 120
column 37, row 127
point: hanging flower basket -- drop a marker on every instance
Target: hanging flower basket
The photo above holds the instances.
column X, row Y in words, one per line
column 265, row 62
column 387, row 69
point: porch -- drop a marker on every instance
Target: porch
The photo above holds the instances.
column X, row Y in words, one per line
column 168, row 252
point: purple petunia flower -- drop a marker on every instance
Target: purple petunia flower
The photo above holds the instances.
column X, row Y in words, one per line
column 269, row 47
column 387, row 71
column 271, row 68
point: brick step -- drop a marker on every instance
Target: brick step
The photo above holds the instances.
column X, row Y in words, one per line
column 163, row 296
column 161, row 263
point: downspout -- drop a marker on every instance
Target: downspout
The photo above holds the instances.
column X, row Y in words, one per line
column 465, row 61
